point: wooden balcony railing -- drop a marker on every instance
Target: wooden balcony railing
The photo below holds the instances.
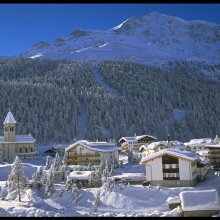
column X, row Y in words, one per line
column 82, row 155
column 83, row 161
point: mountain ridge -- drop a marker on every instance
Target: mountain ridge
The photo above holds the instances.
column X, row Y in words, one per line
column 151, row 39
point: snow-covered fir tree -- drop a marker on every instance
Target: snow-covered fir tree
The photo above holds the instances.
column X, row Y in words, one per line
column 49, row 161
column 16, row 179
column 57, row 163
column 77, row 194
column 36, row 179
column 216, row 140
column 97, row 201
column 49, row 185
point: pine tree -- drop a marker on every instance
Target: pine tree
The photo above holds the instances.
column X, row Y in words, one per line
column 76, row 194
column 97, row 201
column 49, row 183
column 4, row 193
column 17, row 180
column 57, row 161
column 216, row 140
column 36, row 179
column 49, row 161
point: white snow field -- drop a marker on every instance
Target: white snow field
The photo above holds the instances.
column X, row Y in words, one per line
column 129, row 200
column 152, row 39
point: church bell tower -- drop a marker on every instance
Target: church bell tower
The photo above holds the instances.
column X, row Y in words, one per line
column 9, row 128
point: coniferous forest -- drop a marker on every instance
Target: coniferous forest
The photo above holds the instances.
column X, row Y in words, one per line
column 59, row 100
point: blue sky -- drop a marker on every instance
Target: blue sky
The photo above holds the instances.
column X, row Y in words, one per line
column 22, row 25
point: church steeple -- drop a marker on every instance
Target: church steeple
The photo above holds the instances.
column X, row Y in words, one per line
column 9, row 128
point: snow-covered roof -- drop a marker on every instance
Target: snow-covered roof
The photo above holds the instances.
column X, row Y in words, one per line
column 21, row 139
column 156, row 144
column 203, row 160
column 95, row 146
column 173, row 199
column 25, row 139
column 9, row 119
column 136, row 138
column 131, row 176
column 80, row 175
column 171, row 151
column 213, row 145
column 143, row 147
column 199, row 200
column 202, row 141
column 203, row 152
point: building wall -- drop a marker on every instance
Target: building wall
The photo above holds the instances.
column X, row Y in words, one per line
column 81, row 152
column 13, row 149
column 9, row 151
column 172, row 183
column 9, row 133
column 184, row 169
column 154, row 169
column 25, row 147
column 187, row 173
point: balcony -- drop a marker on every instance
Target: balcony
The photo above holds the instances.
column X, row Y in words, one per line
column 82, row 155
column 75, row 162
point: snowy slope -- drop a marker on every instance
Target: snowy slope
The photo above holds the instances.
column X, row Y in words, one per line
column 127, row 201
column 153, row 38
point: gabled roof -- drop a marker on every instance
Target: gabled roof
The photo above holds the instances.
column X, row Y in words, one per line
column 95, row 146
column 9, row 119
column 199, row 142
column 25, row 139
column 172, row 152
column 143, row 147
column 80, row 175
column 50, row 151
column 21, row 139
column 156, row 144
column 136, row 138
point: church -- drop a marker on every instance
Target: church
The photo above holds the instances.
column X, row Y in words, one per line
column 12, row 145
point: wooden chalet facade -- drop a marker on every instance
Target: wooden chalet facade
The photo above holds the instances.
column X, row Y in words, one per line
column 134, row 143
column 85, row 152
column 213, row 155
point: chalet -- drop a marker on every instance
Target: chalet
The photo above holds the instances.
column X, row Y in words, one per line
column 173, row 167
column 160, row 145
column 12, row 145
column 135, row 142
column 153, row 148
column 213, row 155
column 132, row 178
column 201, row 203
column 198, row 144
column 81, row 177
column 84, row 152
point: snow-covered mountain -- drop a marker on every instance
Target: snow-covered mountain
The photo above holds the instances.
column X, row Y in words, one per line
column 153, row 38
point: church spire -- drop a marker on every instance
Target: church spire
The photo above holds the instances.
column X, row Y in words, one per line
column 9, row 118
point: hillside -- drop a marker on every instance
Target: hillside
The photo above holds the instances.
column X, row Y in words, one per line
column 152, row 39
column 59, row 100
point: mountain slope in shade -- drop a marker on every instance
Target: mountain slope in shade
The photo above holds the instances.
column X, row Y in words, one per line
column 154, row 38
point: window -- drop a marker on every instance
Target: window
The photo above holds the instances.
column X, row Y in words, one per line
column 171, row 176
column 20, row 150
column 166, row 159
column 26, row 150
